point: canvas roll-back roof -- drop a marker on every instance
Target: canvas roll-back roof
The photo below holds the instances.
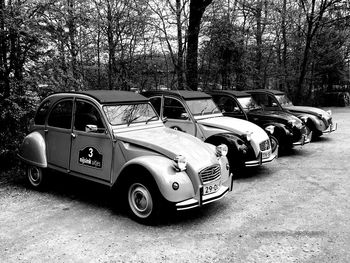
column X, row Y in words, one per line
column 235, row 93
column 108, row 96
column 272, row 91
column 185, row 94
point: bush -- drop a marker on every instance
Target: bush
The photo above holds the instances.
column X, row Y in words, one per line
column 16, row 112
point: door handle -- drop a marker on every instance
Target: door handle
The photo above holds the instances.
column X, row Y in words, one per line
column 73, row 135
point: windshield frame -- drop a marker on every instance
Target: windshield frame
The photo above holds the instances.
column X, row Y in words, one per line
column 215, row 111
column 283, row 100
column 258, row 107
column 135, row 120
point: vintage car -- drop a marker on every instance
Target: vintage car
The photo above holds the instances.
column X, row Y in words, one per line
column 282, row 126
column 117, row 139
column 195, row 113
column 317, row 120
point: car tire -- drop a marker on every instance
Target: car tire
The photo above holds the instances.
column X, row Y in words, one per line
column 274, row 143
column 144, row 201
column 35, row 176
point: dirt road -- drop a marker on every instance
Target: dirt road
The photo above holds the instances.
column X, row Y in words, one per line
column 296, row 209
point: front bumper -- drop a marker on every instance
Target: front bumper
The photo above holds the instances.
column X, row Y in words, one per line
column 260, row 160
column 200, row 199
column 305, row 139
column 331, row 128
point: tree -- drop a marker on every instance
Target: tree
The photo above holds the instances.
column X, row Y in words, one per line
column 197, row 8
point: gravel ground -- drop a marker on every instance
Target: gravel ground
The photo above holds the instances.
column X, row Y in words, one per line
column 295, row 209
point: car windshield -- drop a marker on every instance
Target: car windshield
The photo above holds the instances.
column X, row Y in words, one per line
column 284, row 100
column 130, row 113
column 202, row 107
column 248, row 103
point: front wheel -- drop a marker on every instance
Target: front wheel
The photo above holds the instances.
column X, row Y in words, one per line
column 144, row 200
column 274, row 143
column 35, row 176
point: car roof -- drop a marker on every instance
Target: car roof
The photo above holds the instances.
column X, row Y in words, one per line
column 236, row 93
column 184, row 94
column 109, row 96
column 272, row 91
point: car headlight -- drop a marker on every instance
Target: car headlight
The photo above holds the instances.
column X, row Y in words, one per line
column 270, row 129
column 180, row 163
column 304, row 119
column 221, row 150
column 292, row 122
column 248, row 135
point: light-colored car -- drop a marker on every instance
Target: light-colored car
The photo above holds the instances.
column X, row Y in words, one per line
column 117, row 139
column 317, row 120
column 196, row 113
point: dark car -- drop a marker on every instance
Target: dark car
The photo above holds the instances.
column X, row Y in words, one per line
column 196, row 113
column 317, row 120
column 282, row 126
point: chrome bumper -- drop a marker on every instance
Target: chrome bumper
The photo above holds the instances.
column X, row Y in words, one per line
column 259, row 161
column 305, row 139
column 331, row 128
column 201, row 199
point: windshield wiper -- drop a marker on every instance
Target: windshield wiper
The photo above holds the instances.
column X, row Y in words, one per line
column 153, row 117
column 132, row 120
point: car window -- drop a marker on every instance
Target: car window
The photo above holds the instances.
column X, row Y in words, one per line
column 173, row 109
column 156, row 103
column 227, row 104
column 87, row 114
column 61, row 115
column 41, row 113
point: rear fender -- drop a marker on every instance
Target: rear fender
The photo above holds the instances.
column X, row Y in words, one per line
column 33, row 150
column 162, row 170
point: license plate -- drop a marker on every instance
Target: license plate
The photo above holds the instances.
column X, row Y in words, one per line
column 266, row 155
column 211, row 188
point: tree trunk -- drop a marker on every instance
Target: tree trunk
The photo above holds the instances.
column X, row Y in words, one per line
column 197, row 8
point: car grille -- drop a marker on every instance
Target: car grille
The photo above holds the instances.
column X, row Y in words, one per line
column 265, row 145
column 210, row 173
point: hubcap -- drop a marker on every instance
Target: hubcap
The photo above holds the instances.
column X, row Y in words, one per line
column 34, row 175
column 140, row 200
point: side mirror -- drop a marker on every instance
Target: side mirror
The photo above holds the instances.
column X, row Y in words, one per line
column 91, row 128
column 184, row 116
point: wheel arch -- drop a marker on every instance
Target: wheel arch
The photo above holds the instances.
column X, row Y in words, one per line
column 161, row 171
column 33, row 150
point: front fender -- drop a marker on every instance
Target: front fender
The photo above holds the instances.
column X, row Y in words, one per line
column 279, row 128
column 238, row 148
column 314, row 120
column 163, row 172
column 33, row 149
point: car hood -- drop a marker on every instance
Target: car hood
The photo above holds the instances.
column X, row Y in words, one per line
column 308, row 110
column 171, row 143
column 277, row 115
column 235, row 125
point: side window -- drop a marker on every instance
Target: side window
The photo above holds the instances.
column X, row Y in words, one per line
column 173, row 109
column 61, row 115
column 227, row 104
column 41, row 113
column 261, row 99
column 156, row 103
column 87, row 114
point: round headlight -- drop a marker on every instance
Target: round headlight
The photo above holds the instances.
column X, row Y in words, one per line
column 270, row 129
column 292, row 122
column 221, row 150
column 180, row 163
column 248, row 135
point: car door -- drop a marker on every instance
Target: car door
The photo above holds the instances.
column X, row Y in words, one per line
column 58, row 134
column 178, row 117
column 91, row 150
